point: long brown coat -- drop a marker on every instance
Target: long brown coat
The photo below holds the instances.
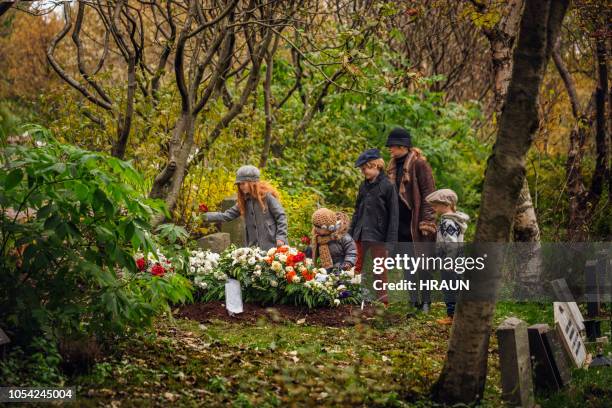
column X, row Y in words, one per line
column 417, row 183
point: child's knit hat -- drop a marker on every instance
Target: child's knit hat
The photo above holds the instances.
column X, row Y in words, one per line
column 443, row 196
column 326, row 219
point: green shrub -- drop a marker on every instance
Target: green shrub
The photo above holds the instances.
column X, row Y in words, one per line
column 38, row 364
column 70, row 223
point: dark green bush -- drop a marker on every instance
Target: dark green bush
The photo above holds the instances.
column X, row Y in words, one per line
column 70, row 223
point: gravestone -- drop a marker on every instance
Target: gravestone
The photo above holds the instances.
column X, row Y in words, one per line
column 551, row 365
column 515, row 364
column 558, row 355
column 543, row 366
column 563, row 294
column 233, row 297
column 234, row 228
column 592, row 288
column 217, row 242
column 569, row 333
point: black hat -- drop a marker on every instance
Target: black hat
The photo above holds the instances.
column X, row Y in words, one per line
column 399, row 137
column 370, row 154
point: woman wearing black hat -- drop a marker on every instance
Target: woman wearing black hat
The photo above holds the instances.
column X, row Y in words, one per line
column 413, row 178
column 374, row 221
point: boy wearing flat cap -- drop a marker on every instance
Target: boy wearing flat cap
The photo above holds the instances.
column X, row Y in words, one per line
column 375, row 219
column 449, row 236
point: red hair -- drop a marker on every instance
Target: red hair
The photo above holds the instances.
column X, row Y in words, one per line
column 257, row 190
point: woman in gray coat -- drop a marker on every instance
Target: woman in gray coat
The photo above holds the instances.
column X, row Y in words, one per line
column 258, row 202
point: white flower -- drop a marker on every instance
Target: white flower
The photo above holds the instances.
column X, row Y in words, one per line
column 276, row 266
column 340, row 288
column 192, row 269
column 336, row 302
column 258, row 267
column 273, row 283
column 271, row 251
column 320, row 277
column 203, row 285
column 282, row 258
column 296, row 279
column 289, row 269
column 308, row 261
column 356, row 280
column 257, row 272
column 293, row 251
column 323, row 271
column 252, row 261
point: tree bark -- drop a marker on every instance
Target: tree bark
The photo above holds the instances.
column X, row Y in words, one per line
column 502, row 38
column 583, row 201
column 268, row 105
column 463, row 377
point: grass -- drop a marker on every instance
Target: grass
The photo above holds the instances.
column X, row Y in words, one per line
column 392, row 362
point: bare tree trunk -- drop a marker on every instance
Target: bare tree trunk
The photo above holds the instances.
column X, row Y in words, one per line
column 502, row 38
column 268, row 104
column 125, row 118
column 601, row 143
column 464, row 373
column 168, row 182
column 583, row 201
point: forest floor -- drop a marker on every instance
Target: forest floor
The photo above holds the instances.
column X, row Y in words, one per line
column 280, row 357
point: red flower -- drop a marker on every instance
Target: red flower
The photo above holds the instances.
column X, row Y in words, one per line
column 282, row 249
column 141, row 264
column 308, row 275
column 305, row 240
column 299, row 257
column 158, row 270
column 203, row 207
column 289, row 276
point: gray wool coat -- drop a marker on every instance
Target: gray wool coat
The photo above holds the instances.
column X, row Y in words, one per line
column 263, row 229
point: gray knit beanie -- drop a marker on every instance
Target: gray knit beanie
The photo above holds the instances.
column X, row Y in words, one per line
column 247, row 173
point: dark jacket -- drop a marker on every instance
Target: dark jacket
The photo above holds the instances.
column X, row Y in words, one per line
column 263, row 228
column 416, row 184
column 376, row 211
column 342, row 250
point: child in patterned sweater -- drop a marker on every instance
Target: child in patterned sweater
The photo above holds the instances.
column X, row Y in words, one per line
column 450, row 230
